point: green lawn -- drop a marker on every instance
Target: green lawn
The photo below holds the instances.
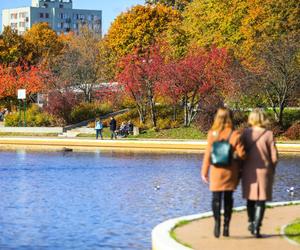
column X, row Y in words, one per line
column 293, row 231
column 175, row 133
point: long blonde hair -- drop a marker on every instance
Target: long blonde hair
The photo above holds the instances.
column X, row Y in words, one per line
column 223, row 119
column 258, row 118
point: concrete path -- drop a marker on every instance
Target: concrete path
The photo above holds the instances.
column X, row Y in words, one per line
column 140, row 144
column 199, row 234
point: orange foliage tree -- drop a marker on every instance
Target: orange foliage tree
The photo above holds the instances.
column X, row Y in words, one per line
column 32, row 78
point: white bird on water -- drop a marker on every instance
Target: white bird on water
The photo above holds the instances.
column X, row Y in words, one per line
column 157, row 187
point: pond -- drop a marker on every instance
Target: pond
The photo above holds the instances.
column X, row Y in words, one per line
column 104, row 200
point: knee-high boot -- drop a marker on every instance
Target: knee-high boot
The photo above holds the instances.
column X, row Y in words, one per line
column 228, row 204
column 216, row 208
column 259, row 215
column 251, row 215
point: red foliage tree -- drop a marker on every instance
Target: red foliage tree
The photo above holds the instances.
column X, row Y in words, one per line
column 139, row 78
column 196, row 74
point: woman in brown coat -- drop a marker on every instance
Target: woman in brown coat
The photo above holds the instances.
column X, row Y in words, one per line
column 258, row 169
column 222, row 180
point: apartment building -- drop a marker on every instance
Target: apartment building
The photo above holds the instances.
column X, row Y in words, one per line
column 59, row 14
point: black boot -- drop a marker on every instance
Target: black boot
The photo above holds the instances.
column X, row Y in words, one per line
column 228, row 204
column 251, row 215
column 259, row 215
column 216, row 208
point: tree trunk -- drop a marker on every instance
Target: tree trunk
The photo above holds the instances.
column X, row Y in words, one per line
column 174, row 113
column 153, row 113
column 185, row 106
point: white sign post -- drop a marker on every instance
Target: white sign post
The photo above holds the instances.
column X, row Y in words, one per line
column 22, row 96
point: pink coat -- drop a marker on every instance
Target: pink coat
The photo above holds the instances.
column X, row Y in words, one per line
column 259, row 166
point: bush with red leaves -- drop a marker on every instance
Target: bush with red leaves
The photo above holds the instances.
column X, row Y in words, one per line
column 293, row 132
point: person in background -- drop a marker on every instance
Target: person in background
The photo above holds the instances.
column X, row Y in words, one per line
column 113, row 128
column 258, row 168
column 99, row 128
column 130, row 127
column 222, row 180
column 123, row 129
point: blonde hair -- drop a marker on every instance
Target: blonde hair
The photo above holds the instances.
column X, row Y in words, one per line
column 223, row 119
column 258, row 118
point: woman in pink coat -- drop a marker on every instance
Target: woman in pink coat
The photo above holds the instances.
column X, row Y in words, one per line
column 258, row 169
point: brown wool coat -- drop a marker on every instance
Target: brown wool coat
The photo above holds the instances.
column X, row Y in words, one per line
column 259, row 166
column 223, row 178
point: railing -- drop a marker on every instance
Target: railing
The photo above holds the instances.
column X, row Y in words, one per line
column 86, row 122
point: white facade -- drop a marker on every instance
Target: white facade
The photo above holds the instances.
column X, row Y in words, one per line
column 59, row 14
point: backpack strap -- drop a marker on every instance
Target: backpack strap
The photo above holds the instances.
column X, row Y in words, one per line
column 228, row 139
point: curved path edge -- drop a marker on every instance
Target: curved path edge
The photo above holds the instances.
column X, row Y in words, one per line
column 162, row 240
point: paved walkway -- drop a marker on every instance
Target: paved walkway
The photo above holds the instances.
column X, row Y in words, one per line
column 141, row 144
column 199, row 234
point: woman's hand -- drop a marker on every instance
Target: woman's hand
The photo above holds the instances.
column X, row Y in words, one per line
column 204, row 178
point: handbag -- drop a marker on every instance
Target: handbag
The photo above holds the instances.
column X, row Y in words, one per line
column 221, row 153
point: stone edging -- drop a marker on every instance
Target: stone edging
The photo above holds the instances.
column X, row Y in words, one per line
column 161, row 239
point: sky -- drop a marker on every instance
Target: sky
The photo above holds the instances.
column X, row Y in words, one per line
column 110, row 8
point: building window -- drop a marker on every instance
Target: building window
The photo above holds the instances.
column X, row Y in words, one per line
column 22, row 24
column 41, row 15
column 14, row 16
column 61, row 6
column 22, row 15
column 14, row 25
column 47, row 15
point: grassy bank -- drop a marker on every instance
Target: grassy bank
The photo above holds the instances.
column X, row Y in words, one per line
column 292, row 231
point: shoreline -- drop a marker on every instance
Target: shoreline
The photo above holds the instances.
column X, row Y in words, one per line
column 83, row 144
column 189, row 233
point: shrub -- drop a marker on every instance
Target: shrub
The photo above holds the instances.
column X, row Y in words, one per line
column 85, row 111
column 34, row 118
column 293, row 132
column 60, row 104
column 163, row 123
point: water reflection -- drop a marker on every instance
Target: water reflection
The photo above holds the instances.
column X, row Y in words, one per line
column 104, row 200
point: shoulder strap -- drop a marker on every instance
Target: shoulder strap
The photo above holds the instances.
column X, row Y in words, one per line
column 253, row 143
column 228, row 139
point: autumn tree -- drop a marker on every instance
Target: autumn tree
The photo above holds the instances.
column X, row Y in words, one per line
column 242, row 25
column 12, row 47
column 43, row 42
column 177, row 4
column 78, row 65
column 139, row 77
column 278, row 74
column 32, row 78
column 139, row 27
column 196, row 74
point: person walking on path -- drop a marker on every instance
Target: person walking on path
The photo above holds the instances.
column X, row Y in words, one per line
column 113, row 128
column 222, row 180
column 258, row 168
column 99, row 128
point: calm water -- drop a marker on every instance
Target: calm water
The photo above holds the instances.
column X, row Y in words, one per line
column 104, row 200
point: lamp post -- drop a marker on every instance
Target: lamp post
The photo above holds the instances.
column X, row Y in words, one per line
column 22, row 98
